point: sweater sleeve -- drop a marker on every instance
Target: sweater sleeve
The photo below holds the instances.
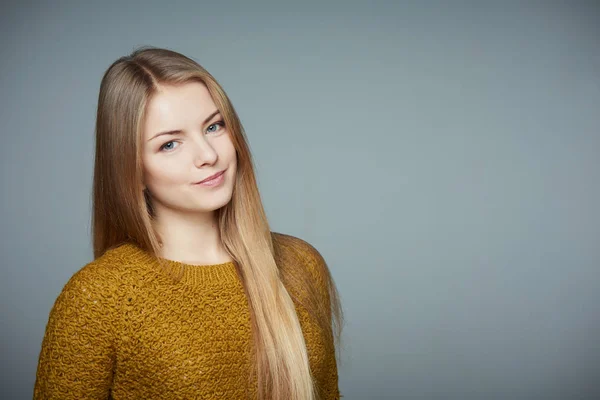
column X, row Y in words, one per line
column 323, row 283
column 320, row 270
column 77, row 354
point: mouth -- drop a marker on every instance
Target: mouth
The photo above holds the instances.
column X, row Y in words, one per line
column 212, row 177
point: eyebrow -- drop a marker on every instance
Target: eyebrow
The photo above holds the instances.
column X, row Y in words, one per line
column 176, row 131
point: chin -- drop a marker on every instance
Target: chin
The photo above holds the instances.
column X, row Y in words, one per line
column 217, row 202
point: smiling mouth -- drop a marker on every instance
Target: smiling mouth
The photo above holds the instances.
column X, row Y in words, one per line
column 210, row 178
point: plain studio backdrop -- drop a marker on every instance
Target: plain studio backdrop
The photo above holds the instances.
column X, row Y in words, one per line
column 444, row 157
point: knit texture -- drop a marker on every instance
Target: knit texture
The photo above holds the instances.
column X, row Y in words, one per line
column 122, row 329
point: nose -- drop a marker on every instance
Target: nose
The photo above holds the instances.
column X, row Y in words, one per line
column 204, row 153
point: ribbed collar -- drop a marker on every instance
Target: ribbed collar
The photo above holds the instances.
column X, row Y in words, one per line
column 192, row 274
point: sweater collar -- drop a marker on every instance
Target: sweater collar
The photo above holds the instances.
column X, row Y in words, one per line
column 190, row 273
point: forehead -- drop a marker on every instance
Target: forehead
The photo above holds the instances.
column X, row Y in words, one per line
column 177, row 107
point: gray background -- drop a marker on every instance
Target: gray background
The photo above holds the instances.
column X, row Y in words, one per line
column 442, row 156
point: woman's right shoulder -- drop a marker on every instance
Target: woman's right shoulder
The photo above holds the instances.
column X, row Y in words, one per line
column 77, row 352
column 103, row 274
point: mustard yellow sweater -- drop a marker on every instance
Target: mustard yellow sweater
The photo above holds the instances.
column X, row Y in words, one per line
column 121, row 329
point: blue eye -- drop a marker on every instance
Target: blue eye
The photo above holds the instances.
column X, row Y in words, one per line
column 212, row 128
column 221, row 124
column 164, row 146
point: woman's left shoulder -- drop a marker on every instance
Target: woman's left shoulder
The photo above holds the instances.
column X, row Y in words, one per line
column 297, row 245
column 290, row 247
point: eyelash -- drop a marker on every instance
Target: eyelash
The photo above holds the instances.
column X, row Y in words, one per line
column 221, row 123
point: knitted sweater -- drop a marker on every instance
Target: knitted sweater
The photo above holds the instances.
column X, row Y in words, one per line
column 121, row 329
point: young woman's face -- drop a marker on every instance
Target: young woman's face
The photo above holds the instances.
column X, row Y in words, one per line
column 198, row 147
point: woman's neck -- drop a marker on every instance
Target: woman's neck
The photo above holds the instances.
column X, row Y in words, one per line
column 192, row 239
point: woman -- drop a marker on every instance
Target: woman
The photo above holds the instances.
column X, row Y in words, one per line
column 190, row 294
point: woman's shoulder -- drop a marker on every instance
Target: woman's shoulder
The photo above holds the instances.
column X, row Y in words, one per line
column 102, row 276
column 297, row 246
column 93, row 292
column 303, row 266
column 289, row 248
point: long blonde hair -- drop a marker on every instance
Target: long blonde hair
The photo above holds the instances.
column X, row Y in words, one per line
column 122, row 212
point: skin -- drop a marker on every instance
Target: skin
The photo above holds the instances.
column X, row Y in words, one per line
column 173, row 163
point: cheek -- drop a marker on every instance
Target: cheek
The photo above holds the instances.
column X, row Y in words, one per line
column 231, row 153
column 233, row 164
column 232, row 156
column 157, row 175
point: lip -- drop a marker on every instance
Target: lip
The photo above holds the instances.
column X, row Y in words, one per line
column 212, row 177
